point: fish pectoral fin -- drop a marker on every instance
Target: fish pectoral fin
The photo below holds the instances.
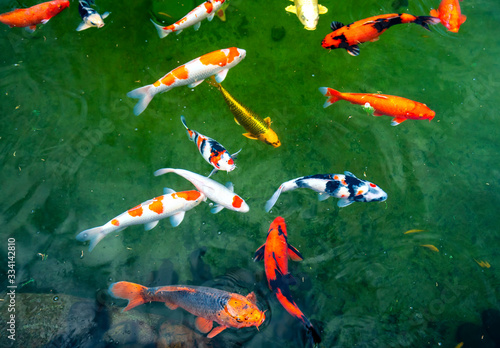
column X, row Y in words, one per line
column 30, row 29
column 176, row 219
column 294, row 254
column 322, row 9
column 83, row 26
column 259, row 253
column 203, row 325
column 375, row 39
column 434, row 13
column 377, row 113
column 289, row 279
column 211, row 16
column 336, row 25
column 250, row 136
column 215, row 170
column 221, row 75
column 252, row 298
column 463, row 18
column 396, row 121
column 105, row 14
column 167, row 191
column 353, row 50
column 194, row 84
column 216, row 331
column 150, row 225
column 171, row 306
column 268, row 121
column 323, row 196
column 197, row 26
column 235, row 155
column 291, row 9
column 178, row 32
column 230, row 186
column 45, row 21
column 344, row 202
column 217, row 208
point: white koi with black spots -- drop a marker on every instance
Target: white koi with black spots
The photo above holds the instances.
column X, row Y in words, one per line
column 90, row 17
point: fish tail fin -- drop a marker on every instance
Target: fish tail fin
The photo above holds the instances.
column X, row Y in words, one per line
column 94, row 235
column 161, row 32
column 190, row 133
column 145, row 95
column 212, row 82
column 132, row 292
column 272, row 201
column 312, row 330
column 332, row 95
column 425, row 21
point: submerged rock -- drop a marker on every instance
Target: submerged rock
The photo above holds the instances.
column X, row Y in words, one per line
column 179, row 336
column 278, row 33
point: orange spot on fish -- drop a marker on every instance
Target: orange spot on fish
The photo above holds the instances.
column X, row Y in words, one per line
column 233, row 53
column 208, row 6
column 157, row 205
column 179, row 73
column 115, row 222
column 214, row 58
column 237, row 202
column 157, row 83
column 336, row 177
column 373, row 185
column 136, row 211
column 344, row 183
column 231, row 162
column 360, row 192
column 192, row 195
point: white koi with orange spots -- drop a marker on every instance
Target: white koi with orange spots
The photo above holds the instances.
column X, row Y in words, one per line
column 345, row 186
column 212, row 151
column 172, row 204
column 190, row 74
column 223, row 196
column 206, row 10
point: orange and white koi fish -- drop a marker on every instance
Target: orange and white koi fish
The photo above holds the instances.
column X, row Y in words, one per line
column 211, row 150
column 172, row 204
column 208, row 304
column 223, row 196
column 450, row 15
column 29, row 17
column 191, row 74
column 401, row 109
column 206, row 10
column 275, row 253
column 369, row 29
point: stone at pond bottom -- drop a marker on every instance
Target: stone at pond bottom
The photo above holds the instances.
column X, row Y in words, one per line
column 179, row 336
column 278, row 33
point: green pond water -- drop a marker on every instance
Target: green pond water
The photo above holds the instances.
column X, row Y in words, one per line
column 73, row 156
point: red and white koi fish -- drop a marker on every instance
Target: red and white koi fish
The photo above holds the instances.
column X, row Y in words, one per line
column 211, row 150
column 400, row 108
column 172, row 204
column 450, row 15
column 208, row 304
column 191, row 74
column 29, row 17
column 223, row 196
column 206, row 10
column 275, row 253
column 345, row 186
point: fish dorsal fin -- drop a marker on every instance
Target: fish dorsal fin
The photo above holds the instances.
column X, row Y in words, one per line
column 221, row 75
column 294, row 254
column 322, row 9
column 230, row 186
column 434, row 13
column 268, row 121
column 252, row 298
column 291, row 9
column 203, row 325
column 176, row 219
column 211, row 16
column 216, row 331
column 168, row 191
column 250, row 136
column 380, row 96
column 347, row 173
column 336, row 25
column 150, row 225
column 259, row 253
column 236, row 120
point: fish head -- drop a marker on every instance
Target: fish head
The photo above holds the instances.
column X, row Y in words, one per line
column 94, row 20
column 270, row 137
column 374, row 194
column 278, row 225
column 308, row 16
column 226, row 162
column 241, row 53
column 242, row 312
column 331, row 42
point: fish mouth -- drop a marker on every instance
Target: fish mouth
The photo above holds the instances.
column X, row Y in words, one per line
column 309, row 28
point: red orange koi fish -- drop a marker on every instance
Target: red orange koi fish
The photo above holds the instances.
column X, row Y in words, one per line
column 275, row 253
column 211, row 150
column 450, row 15
column 208, row 304
column 172, row 204
column 30, row 17
column 369, row 29
column 401, row 109
column 193, row 18
column 191, row 74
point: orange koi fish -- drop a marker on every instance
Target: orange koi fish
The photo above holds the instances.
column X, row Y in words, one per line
column 208, row 304
column 275, row 253
column 191, row 74
column 172, row 204
column 401, row 109
column 450, row 15
column 369, row 29
column 30, row 17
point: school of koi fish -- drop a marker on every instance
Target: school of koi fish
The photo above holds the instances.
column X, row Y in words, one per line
column 232, row 310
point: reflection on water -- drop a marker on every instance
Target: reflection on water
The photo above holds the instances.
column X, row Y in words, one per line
column 73, row 155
